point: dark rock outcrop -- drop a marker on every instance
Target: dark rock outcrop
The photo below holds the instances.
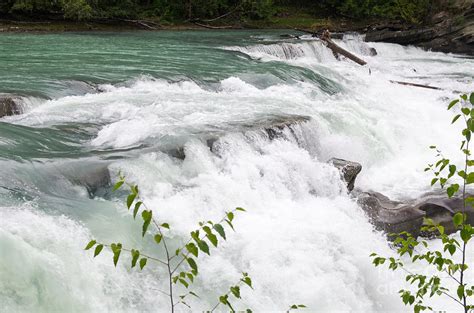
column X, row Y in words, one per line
column 390, row 216
column 349, row 170
column 441, row 210
column 395, row 217
column 9, row 105
column 449, row 30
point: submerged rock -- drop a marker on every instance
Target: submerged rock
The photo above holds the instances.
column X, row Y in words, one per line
column 9, row 105
column 349, row 170
column 95, row 177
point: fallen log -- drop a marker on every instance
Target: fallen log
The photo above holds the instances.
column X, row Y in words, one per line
column 142, row 23
column 415, row 85
column 212, row 27
column 326, row 37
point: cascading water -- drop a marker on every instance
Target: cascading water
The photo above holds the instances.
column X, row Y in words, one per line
column 99, row 103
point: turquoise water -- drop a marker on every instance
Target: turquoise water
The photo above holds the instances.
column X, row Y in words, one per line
column 95, row 104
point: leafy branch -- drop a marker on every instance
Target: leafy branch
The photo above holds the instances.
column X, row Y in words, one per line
column 445, row 172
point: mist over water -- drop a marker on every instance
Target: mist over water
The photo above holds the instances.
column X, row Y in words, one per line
column 123, row 101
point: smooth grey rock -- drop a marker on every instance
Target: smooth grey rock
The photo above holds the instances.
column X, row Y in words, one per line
column 349, row 170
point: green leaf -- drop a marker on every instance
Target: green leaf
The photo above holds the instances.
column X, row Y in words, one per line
column 130, row 199
column 118, row 185
column 116, row 249
column 458, row 219
column 90, row 244
column 248, row 281
column 451, row 190
column 165, row 225
column 183, row 282
column 433, row 181
column 195, row 235
column 460, row 291
column 453, row 103
column 190, row 277
column 240, row 209
column 135, row 256
column 203, row 246
column 230, row 224
column 452, row 249
column 223, row 299
column 470, row 178
column 134, row 189
column 212, row 238
column 455, row 118
column 98, row 249
column 235, row 291
column 143, row 262
column 146, row 215
column 158, row 238
column 137, row 206
column 466, row 234
column 230, row 216
column 192, row 263
column 191, row 247
column 220, row 230
column 471, row 98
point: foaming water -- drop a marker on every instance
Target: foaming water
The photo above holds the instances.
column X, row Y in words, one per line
column 188, row 121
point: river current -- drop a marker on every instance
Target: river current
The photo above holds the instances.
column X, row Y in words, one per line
column 95, row 104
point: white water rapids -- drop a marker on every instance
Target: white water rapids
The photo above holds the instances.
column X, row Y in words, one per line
column 302, row 240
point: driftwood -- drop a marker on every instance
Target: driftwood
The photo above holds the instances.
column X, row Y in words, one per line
column 145, row 24
column 212, row 27
column 415, row 85
column 326, row 37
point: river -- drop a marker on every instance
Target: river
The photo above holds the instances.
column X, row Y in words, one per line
column 99, row 103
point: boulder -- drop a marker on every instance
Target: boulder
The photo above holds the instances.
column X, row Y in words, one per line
column 395, row 216
column 95, row 177
column 349, row 170
column 390, row 216
column 441, row 209
column 9, row 106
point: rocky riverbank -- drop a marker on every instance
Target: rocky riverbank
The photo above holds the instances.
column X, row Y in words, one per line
column 449, row 29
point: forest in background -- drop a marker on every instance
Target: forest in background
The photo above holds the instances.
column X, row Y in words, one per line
column 176, row 11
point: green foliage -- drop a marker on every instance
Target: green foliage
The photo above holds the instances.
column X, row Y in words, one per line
column 179, row 10
column 443, row 262
column 77, row 9
column 408, row 10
